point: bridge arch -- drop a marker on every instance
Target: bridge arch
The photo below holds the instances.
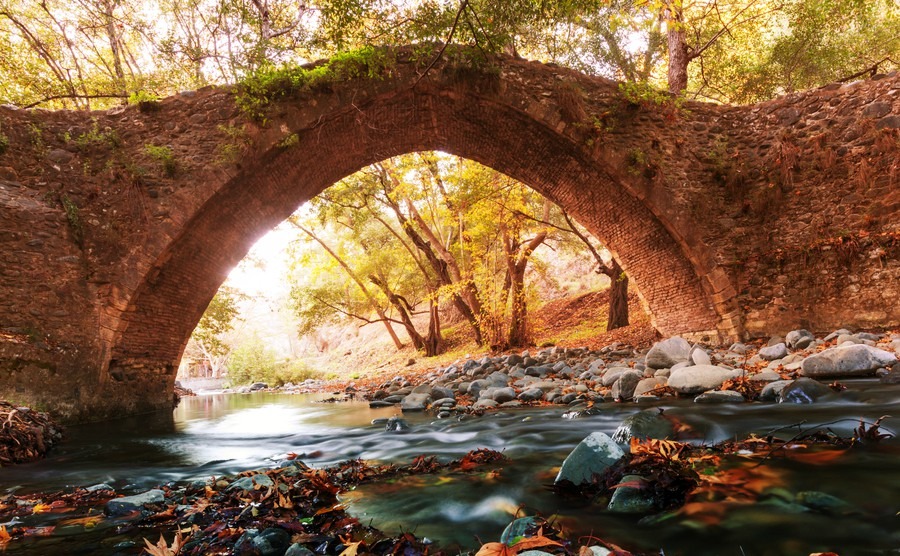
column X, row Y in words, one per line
column 476, row 121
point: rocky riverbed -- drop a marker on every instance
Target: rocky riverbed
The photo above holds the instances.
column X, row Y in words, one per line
column 796, row 368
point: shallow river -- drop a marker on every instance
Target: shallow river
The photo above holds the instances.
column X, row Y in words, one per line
column 225, row 434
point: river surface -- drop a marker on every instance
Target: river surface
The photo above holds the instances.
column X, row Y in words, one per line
column 216, row 435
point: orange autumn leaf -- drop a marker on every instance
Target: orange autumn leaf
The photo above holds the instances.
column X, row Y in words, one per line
column 500, row 549
column 4, row 536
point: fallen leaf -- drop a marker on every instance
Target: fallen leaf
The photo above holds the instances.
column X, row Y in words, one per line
column 351, row 549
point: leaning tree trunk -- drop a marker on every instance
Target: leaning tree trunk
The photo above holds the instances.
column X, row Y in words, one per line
column 618, row 298
column 434, row 342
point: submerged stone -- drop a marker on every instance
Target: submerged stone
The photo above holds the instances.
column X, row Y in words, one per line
column 590, row 457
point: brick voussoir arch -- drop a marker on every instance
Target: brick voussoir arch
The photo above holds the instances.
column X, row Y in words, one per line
column 502, row 131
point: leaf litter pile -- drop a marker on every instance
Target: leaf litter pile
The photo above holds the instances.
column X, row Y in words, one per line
column 266, row 511
column 25, row 434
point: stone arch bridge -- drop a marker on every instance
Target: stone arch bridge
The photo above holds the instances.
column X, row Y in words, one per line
column 117, row 227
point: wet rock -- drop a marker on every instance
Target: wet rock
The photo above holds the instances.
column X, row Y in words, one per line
column 699, row 378
column 249, row 483
column 258, row 386
column 415, row 402
column 298, row 549
column 396, row 424
column 847, row 361
column 127, row 504
column 772, row 390
column 594, row 454
column 98, row 487
column 825, row 503
column 799, row 339
column 771, row 353
column 803, row 390
column 645, row 424
column 623, row 388
column 631, row 499
column 272, row 542
column 439, row 392
column 380, row 403
column 518, row 528
column 719, row 396
column 668, row 352
column 444, row 402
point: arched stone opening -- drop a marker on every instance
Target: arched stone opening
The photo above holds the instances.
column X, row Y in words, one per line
column 166, row 306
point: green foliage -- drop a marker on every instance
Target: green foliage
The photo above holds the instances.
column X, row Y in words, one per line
column 254, row 361
column 95, row 137
column 165, row 156
column 36, row 132
column 229, row 151
column 645, row 95
column 146, row 102
column 4, row 142
column 217, row 321
column 269, row 83
column 638, row 161
column 74, row 219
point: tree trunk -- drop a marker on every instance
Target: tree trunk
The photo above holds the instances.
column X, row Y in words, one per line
column 402, row 308
column 434, row 342
column 678, row 48
column 518, row 319
column 618, row 298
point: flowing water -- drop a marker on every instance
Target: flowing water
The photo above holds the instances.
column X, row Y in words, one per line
column 224, row 434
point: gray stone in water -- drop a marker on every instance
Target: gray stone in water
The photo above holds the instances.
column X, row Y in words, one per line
column 799, row 339
column 668, row 352
column 649, row 423
column 847, row 361
column 803, row 390
column 258, row 386
column 771, row 353
column 590, row 457
column 97, row 487
column 719, row 396
column 700, row 378
column 380, row 403
column 415, row 402
column 825, row 503
column 396, row 424
column 631, row 499
column 272, row 542
column 772, row 390
column 518, row 528
column 126, row 504
column 623, row 388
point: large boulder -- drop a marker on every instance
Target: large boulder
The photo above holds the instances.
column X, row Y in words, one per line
column 415, row 402
column 591, row 457
column 847, row 361
column 668, row 352
column 700, row 378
